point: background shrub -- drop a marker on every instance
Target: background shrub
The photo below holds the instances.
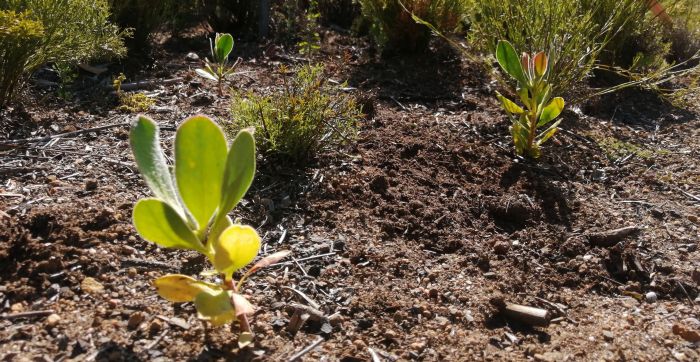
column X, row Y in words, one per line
column 36, row 32
column 308, row 116
column 393, row 28
column 20, row 37
column 339, row 12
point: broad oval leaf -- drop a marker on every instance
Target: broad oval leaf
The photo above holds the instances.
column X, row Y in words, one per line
column 224, row 46
column 145, row 145
column 157, row 222
column 509, row 105
column 541, row 64
column 551, row 131
column 179, row 288
column 203, row 73
column 200, row 158
column 239, row 171
column 215, row 307
column 510, row 62
column 551, row 111
column 235, row 248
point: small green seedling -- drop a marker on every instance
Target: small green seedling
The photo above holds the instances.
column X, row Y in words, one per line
column 218, row 68
column 189, row 211
column 535, row 92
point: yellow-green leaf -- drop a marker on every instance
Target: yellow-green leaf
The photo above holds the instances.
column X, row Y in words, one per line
column 157, row 222
column 215, row 307
column 235, row 248
column 510, row 62
column 509, row 105
column 179, row 288
column 552, row 111
column 200, row 158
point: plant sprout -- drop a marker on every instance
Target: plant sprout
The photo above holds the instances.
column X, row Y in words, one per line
column 218, row 68
column 189, row 211
column 534, row 90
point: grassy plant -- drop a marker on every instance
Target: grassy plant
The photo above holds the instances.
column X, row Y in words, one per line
column 535, row 91
column 20, row 38
column 218, row 69
column 131, row 102
column 308, row 116
column 190, row 211
column 310, row 38
column 394, row 29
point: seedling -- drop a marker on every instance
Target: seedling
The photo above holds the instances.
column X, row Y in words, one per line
column 534, row 90
column 189, row 211
column 218, row 68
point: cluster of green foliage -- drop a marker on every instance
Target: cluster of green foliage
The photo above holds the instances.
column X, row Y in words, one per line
column 309, row 115
column 393, row 28
column 534, row 90
column 190, row 211
column 131, row 102
column 218, row 69
column 37, row 32
column 20, row 36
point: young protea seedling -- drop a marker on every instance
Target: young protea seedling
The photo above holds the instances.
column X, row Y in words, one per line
column 189, row 211
column 218, row 68
column 532, row 75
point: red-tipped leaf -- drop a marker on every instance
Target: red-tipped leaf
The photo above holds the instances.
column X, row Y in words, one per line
column 541, row 63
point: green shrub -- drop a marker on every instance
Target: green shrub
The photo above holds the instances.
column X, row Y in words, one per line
column 393, row 28
column 20, row 37
column 36, row 32
column 308, row 116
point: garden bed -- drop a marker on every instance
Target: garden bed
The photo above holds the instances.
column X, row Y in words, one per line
column 404, row 243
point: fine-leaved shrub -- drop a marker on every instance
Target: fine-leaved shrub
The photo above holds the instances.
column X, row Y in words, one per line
column 393, row 27
column 309, row 115
column 20, row 37
column 56, row 31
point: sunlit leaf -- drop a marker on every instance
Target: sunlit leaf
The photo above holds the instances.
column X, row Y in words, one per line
column 547, row 134
column 200, row 158
column 203, row 73
column 509, row 105
column 215, row 307
column 540, row 63
column 510, row 62
column 145, row 145
column 224, row 46
column 270, row 259
column 242, row 305
column 159, row 223
column 245, row 339
column 239, row 171
column 552, row 111
column 235, row 248
column 181, row 288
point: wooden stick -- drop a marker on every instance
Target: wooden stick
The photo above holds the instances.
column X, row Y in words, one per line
column 30, row 314
column 528, row 315
column 306, row 350
column 612, row 237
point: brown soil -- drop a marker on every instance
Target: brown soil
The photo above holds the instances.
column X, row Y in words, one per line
column 413, row 236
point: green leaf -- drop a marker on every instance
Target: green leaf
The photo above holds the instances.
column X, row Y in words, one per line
column 509, row 60
column 509, row 105
column 552, row 111
column 159, row 223
column 204, row 74
column 179, row 288
column 236, row 247
column 547, row 134
column 224, row 46
column 215, row 306
column 239, row 172
column 145, row 145
column 200, row 158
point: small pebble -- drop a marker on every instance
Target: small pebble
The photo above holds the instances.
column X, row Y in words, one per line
column 132, row 272
column 91, row 286
column 608, row 336
column 135, row 320
column 651, row 297
column 192, row 56
column 52, row 320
